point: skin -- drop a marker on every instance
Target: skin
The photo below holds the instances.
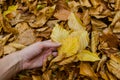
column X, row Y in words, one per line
column 30, row 57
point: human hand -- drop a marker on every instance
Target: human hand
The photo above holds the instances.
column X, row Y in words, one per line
column 30, row 57
column 34, row 55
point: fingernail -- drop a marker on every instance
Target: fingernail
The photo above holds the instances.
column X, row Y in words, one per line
column 54, row 53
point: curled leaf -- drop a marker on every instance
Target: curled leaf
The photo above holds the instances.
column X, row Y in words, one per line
column 10, row 10
column 94, row 40
column 116, row 18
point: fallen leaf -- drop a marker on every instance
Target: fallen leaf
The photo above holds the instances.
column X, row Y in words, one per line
column 71, row 48
column 17, row 45
column 87, row 70
column 36, row 77
column 1, row 50
column 67, row 60
column 62, row 14
column 94, row 41
column 85, row 3
column 59, row 33
column 86, row 55
column 9, row 49
column 83, row 38
column 11, row 9
column 75, row 23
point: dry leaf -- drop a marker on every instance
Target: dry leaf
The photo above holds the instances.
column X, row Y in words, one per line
column 9, row 49
column 94, row 41
column 46, row 13
column 17, row 45
column 117, row 5
column 103, row 74
column 85, row 3
column 26, row 39
column 113, row 67
column 95, row 3
column 86, row 55
column 117, row 27
column 83, row 38
column 71, row 48
column 116, row 18
column 111, row 77
column 74, row 6
column 75, row 23
column 62, row 14
column 59, row 33
column 98, row 24
column 86, row 70
column 36, row 77
column 4, row 40
column 10, row 10
column 67, row 60
column 102, row 62
column 1, row 50
column 47, row 75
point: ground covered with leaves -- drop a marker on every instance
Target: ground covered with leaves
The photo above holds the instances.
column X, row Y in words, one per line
column 89, row 31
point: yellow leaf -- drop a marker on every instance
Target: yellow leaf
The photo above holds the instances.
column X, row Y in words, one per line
column 75, row 23
column 67, row 60
column 83, row 38
column 70, row 46
column 10, row 9
column 59, row 33
column 86, row 55
column 17, row 45
column 36, row 77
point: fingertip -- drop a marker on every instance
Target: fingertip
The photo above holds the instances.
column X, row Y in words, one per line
column 50, row 44
column 54, row 53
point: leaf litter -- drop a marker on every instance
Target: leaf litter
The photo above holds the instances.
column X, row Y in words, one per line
column 89, row 31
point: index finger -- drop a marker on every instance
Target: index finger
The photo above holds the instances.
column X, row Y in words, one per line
column 50, row 44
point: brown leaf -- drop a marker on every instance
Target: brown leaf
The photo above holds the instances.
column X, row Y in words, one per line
column 85, row 3
column 103, row 73
column 116, row 18
column 36, row 77
column 67, row 60
column 94, row 41
column 111, row 77
column 26, row 39
column 1, row 50
column 98, row 24
column 47, row 75
column 117, row 5
column 86, row 70
column 62, row 14
column 117, row 27
column 110, row 39
column 102, row 62
column 9, row 49
column 113, row 67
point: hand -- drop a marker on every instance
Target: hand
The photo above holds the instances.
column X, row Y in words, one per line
column 31, row 57
column 34, row 55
